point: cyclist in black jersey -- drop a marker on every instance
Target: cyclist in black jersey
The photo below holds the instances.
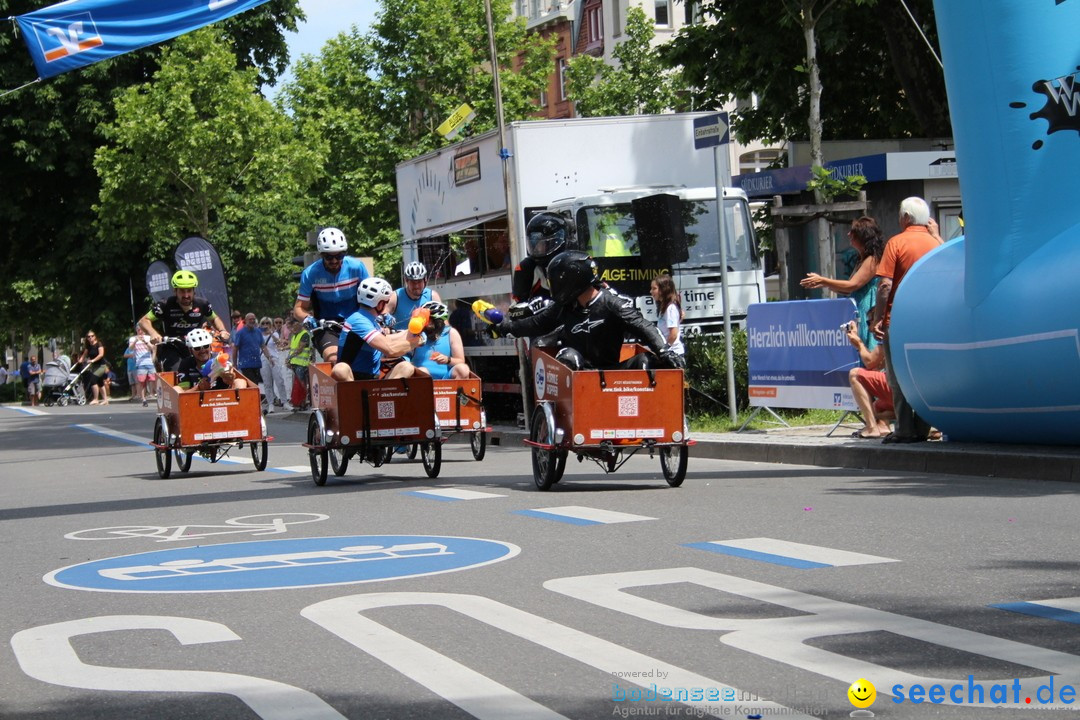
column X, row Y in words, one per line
column 179, row 315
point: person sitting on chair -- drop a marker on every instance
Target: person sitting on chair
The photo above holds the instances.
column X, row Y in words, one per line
column 201, row 371
column 592, row 320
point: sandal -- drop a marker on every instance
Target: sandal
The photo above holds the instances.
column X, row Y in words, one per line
column 859, row 436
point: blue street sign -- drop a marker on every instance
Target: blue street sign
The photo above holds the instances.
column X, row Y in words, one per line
column 711, row 131
column 276, row 564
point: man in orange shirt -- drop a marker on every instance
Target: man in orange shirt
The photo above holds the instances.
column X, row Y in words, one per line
column 901, row 252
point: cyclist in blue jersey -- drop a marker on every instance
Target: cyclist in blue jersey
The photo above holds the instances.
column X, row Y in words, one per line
column 363, row 344
column 328, row 290
column 413, row 295
column 442, row 356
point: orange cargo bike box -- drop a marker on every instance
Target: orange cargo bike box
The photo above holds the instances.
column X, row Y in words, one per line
column 459, row 406
column 207, row 422
column 368, row 418
column 606, row 416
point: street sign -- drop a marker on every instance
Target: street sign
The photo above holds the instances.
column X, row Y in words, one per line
column 711, row 131
column 456, row 121
column 275, row 564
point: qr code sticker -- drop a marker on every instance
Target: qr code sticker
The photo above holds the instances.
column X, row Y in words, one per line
column 628, row 406
column 442, row 404
column 386, row 410
column 221, row 414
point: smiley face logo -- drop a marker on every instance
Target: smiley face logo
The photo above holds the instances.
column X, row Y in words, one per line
column 862, row 693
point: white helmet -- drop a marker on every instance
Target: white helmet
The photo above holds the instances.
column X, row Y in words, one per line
column 198, row 338
column 372, row 291
column 332, row 240
column 415, row 271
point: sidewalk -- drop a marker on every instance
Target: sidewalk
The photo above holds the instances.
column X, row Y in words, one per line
column 810, row 446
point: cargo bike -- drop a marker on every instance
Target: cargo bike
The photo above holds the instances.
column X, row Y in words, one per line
column 367, row 419
column 606, row 416
column 459, row 406
column 209, row 423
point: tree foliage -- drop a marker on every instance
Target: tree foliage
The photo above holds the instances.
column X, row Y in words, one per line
column 377, row 98
column 879, row 79
column 54, row 276
column 198, row 151
column 641, row 84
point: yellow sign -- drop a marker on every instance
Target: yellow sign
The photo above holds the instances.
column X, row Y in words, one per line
column 456, row 121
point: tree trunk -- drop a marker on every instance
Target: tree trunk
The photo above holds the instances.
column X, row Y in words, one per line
column 825, row 251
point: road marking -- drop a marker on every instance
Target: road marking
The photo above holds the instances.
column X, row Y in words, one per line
column 791, row 554
column 578, row 515
column 25, row 410
column 1061, row 609
column 452, row 494
column 291, row 469
column 114, row 434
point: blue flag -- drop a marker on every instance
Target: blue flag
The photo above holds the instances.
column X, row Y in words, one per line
column 77, row 33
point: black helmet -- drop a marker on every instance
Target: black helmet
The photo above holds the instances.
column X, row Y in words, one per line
column 546, row 236
column 571, row 273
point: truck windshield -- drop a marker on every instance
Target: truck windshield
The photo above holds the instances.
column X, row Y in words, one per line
column 609, row 231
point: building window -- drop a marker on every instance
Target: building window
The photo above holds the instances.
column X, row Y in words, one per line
column 523, row 8
column 543, row 98
column 663, row 16
column 562, row 78
column 693, row 12
column 534, row 8
column 594, row 26
column 616, row 18
column 759, row 160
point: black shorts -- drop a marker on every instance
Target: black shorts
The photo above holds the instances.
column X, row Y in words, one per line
column 324, row 338
column 253, row 374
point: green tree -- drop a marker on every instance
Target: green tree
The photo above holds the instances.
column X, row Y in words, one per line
column 879, row 79
column 377, row 99
column 54, row 276
column 641, row 84
column 198, row 151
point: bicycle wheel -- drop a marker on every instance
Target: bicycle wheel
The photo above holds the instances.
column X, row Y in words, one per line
column 317, row 452
column 479, row 445
column 545, row 463
column 431, row 455
column 673, row 460
column 259, row 454
column 339, row 461
column 183, row 459
column 162, row 453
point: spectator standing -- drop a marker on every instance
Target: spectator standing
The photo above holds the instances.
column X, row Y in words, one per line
column 248, row 350
column 93, row 353
column 299, row 360
column 266, row 330
column 3, row 380
column 902, row 251
column 140, row 356
column 669, row 312
column 283, row 375
column 866, row 239
column 30, row 371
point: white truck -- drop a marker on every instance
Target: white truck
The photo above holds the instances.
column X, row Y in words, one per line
column 641, row 197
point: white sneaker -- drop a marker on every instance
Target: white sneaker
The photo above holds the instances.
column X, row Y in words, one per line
column 289, row 408
column 270, row 411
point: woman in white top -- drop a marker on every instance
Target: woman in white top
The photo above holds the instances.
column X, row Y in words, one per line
column 668, row 311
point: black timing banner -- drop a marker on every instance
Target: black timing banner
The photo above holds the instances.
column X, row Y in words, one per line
column 200, row 257
column 158, row 276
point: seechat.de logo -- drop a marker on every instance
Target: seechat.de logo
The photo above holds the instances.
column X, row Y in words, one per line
column 278, row 564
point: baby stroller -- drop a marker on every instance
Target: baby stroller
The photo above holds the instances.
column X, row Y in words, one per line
column 60, row 384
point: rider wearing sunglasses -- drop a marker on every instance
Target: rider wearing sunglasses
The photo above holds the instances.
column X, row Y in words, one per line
column 328, row 290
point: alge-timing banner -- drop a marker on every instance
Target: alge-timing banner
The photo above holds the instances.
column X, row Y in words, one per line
column 799, row 357
column 77, row 33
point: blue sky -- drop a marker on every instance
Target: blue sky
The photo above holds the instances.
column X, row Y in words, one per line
column 325, row 19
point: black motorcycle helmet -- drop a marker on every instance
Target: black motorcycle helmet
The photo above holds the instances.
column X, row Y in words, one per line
column 571, row 273
column 546, row 236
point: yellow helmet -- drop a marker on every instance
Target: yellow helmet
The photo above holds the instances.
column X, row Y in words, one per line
column 185, row 279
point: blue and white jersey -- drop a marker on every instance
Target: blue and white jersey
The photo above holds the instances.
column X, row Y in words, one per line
column 332, row 297
column 354, row 347
column 406, row 305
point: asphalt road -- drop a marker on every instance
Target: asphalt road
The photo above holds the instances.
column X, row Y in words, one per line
column 752, row 589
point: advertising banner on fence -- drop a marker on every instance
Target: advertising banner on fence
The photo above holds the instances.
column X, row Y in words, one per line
column 799, row 356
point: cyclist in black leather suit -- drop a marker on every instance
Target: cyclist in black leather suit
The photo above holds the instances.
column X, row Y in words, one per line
column 592, row 320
